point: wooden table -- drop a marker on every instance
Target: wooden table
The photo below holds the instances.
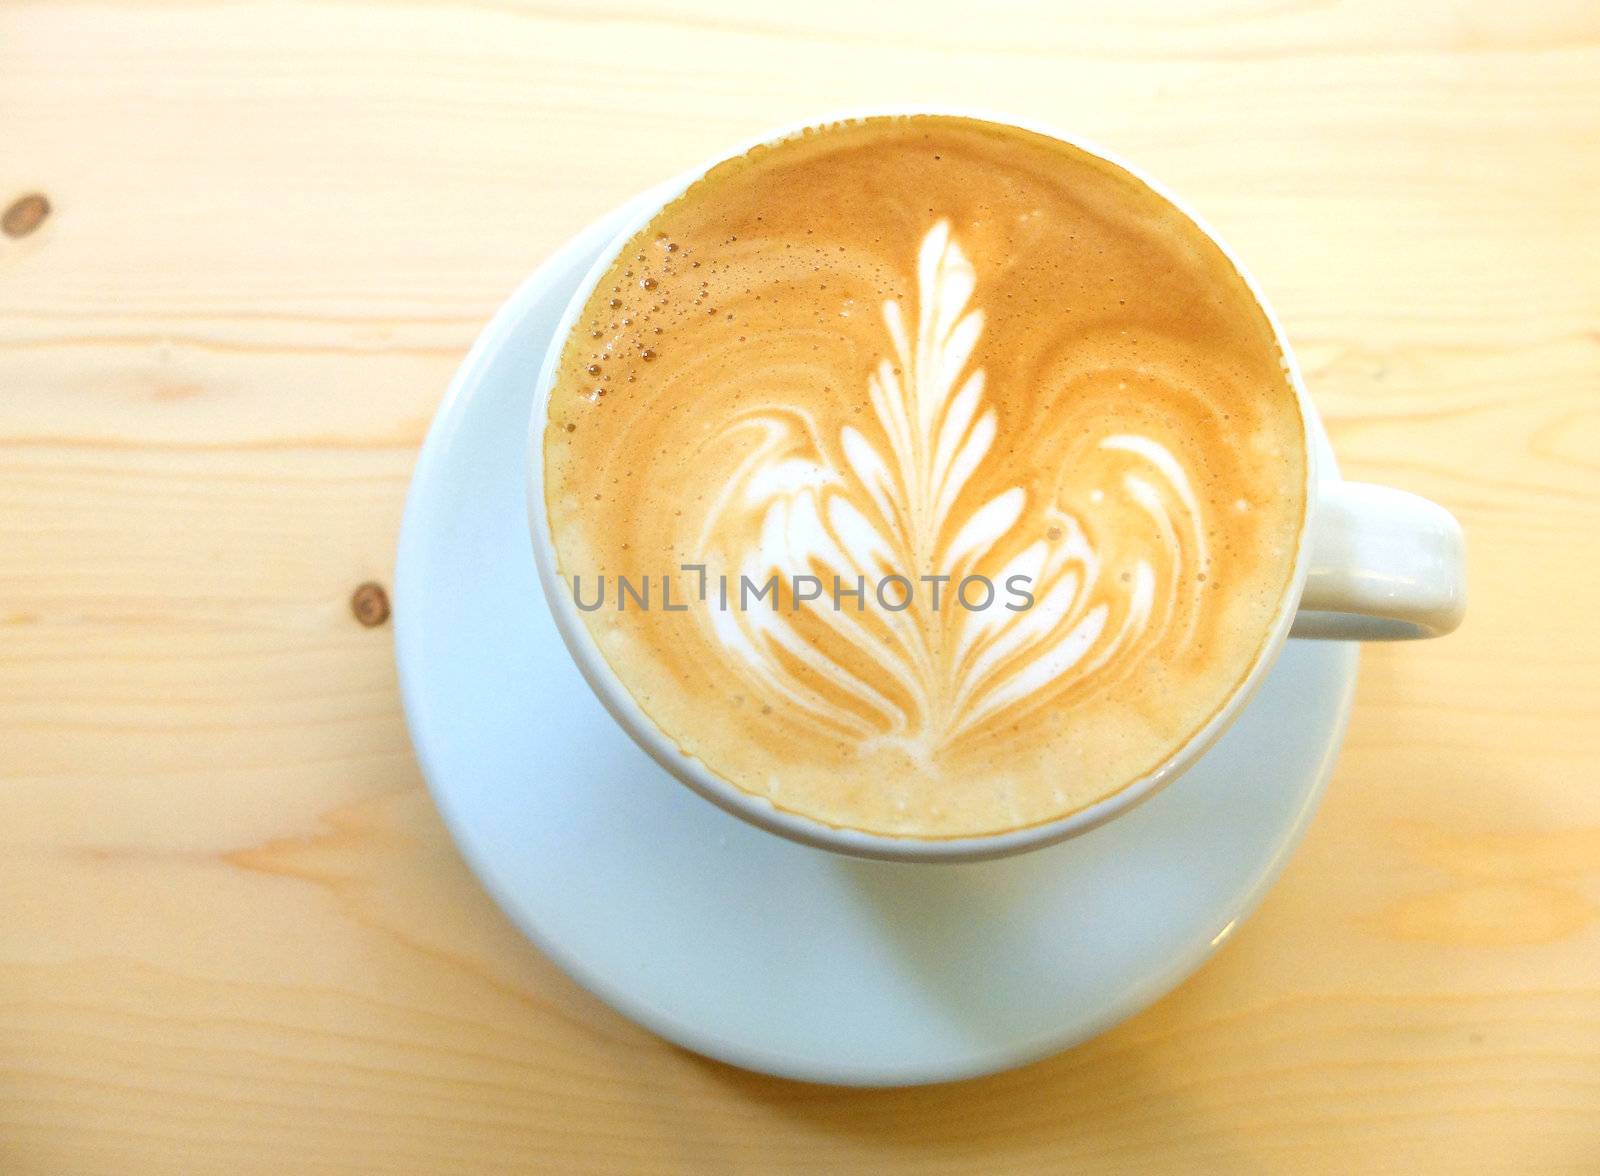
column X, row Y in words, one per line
column 234, row 936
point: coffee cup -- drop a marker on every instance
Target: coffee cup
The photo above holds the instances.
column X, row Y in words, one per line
column 1308, row 554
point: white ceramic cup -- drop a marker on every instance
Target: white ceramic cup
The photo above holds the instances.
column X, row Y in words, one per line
column 1371, row 563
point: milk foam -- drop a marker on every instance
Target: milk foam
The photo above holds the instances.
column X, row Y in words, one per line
column 929, row 348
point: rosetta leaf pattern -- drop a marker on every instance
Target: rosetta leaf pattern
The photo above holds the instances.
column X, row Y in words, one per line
column 896, row 498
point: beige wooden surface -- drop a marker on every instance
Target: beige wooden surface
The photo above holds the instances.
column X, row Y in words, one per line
column 234, row 936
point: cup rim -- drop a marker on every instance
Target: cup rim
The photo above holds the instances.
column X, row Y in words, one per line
column 761, row 811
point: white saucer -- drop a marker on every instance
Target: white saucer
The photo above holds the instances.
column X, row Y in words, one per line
column 738, row 944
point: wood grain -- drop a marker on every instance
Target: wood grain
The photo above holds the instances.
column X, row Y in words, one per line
column 235, row 936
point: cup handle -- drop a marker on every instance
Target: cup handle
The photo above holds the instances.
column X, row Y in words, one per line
column 1385, row 566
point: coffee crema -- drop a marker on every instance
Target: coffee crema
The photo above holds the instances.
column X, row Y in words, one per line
column 954, row 352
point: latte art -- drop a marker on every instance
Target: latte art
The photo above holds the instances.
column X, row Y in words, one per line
column 872, row 506
column 956, row 357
